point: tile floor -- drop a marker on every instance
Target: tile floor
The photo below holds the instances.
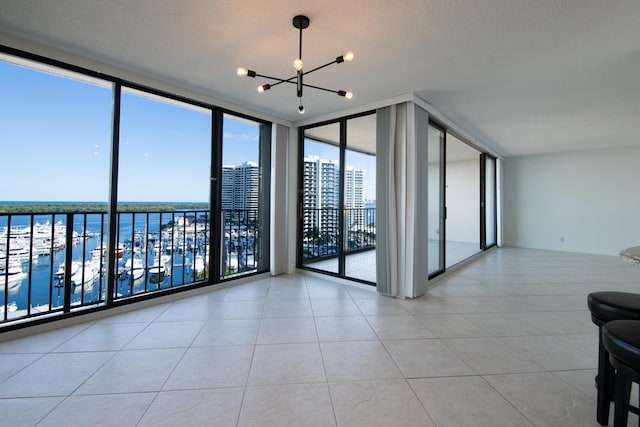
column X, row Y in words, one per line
column 505, row 341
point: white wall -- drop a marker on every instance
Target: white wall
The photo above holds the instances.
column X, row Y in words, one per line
column 586, row 202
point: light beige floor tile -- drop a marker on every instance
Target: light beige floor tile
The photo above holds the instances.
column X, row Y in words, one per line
column 283, row 292
column 398, row 327
column 361, row 360
column 560, row 322
column 12, row 363
column 42, row 342
column 490, row 356
column 428, row 305
column 359, row 293
column 287, row 330
column 586, row 342
column 287, row 405
column 207, row 296
column 334, row 307
column 286, row 364
column 228, row 332
column 102, row 337
column 256, row 291
column 26, row 412
column 545, row 399
column 211, row 367
column 56, row 374
column 466, row 401
column 344, row 329
column 426, row 358
column 377, row 403
column 100, row 410
column 218, row 407
column 140, row 315
column 166, row 335
column 133, row 371
column 503, row 324
column 188, row 311
column 462, row 305
column 552, row 353
column 327, row 291
column 287, row 308
column 451, row 326
column 239, row 310
column 583, row 380
column 381, row 306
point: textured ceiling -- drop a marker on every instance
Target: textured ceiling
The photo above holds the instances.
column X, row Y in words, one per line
column 523, row 77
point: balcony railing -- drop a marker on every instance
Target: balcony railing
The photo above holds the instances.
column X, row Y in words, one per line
column 321, row 231
column 56, row 262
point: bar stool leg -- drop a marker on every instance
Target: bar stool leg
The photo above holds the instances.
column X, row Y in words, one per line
column 623, row 391
column 605, row 374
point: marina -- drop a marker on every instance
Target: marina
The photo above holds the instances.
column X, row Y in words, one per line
column 154, row 251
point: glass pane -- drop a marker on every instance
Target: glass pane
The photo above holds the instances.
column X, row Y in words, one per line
column 463, row 200
column 360, row 199
column 241, row 197
column 55, row 134
column 490, row 197
column 163, row 193
column 321, row 198
column 435, row 201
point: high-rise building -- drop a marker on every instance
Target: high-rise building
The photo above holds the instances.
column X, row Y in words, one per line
column 241, row 188
column 321, row 189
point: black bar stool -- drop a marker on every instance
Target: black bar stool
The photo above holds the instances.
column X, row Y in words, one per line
column 621, row 338
column 606, row 307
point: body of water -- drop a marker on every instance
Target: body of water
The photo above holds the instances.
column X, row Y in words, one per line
column 139, row 235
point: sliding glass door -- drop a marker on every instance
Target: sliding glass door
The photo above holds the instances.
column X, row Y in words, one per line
column 435, row 194
column 462, row 208
column 337, row 198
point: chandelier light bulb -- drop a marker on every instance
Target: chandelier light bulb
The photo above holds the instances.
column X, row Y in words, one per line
column 348, row 56
column 242, row 71
column 264, row 87
column 349, row 95
column 297, row 64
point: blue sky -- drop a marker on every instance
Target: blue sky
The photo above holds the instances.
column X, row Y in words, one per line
column 55, row 137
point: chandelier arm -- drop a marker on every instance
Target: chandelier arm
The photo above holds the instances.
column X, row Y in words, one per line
column 320, row 67
column 279, row 80
column 321, row 88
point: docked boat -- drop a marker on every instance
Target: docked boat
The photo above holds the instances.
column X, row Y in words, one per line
column 59, row 275
column 134, row 268
column 160, row 269
column 11, row 276
column 80, row 274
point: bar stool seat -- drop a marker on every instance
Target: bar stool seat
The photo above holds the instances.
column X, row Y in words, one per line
column 621, row 339
column 606, row 307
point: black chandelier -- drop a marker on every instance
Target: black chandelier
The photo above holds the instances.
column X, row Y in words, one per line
column 300, row 22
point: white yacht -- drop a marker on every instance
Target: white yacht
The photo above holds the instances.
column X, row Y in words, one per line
column 12, row 276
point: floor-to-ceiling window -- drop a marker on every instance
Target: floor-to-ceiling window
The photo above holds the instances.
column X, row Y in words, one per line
column 337, row 198
column 112, row 190
column 360, row 198
column 489, row 202
column 55, row 134
column 435, row 195
column 164, row 159
column 462, row 195
column 243, row 207
column 461, row 191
